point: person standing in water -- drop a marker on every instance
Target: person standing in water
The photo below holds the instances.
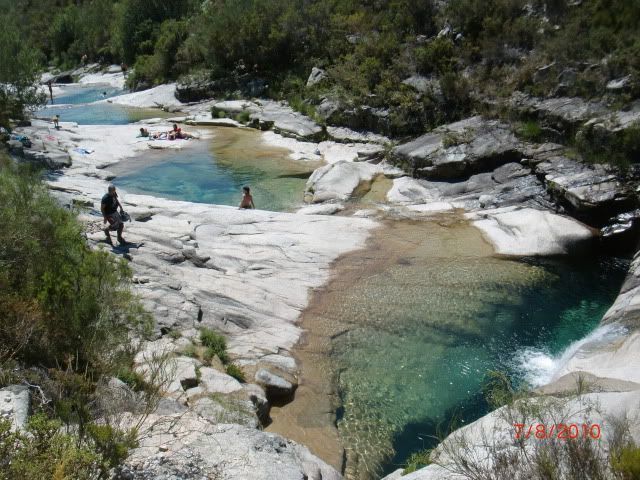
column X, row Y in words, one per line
column 247, row 199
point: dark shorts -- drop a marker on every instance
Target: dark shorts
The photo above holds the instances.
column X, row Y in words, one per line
column 115, row 221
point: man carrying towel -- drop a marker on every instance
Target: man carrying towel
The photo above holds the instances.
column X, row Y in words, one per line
column 109, row 208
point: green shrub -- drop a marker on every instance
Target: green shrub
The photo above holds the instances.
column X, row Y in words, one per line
column 243, row 117
column 598, row 145
column 112, row 444
column 133, row 379
column 236, row 372
column 417, row 461
column 498, row 389
column 626, row 462
column 215, row 344
column 217, row 113
column 44, row 452
column 61, row 303
column 437, row 56
column 530, row 130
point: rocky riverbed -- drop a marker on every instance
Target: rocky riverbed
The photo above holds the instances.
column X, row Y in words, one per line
column 249, row 274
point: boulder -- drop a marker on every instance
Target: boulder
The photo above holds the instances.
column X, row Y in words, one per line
column 340, row 181
column 283, row 120
column 63, row 77
column 508, row 185
column 422, row 84
column 619, row 84
column 316, row 76
column 459, row 150
column 275, row 386
column 228, row 410
column 213, row 381
column 532, row 232
column 327, row 108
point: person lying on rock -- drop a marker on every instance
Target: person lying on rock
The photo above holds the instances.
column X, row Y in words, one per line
column 109, row 208
column 247, row 199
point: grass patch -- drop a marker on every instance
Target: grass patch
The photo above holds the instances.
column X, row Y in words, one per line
column 417, row 461
column 215, row 345
column 236, row 372
column 529, row 130
column 243, row 117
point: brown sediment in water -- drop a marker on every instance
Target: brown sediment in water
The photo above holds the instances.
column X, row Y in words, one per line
column 311, row 417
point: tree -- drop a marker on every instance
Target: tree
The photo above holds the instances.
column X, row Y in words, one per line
column 19, row 74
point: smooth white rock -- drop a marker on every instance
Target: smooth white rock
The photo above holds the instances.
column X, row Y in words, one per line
column 338, row 181
column 528, row 231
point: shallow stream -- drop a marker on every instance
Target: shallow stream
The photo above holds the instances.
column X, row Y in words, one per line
column 401, row 340
column 398, row 344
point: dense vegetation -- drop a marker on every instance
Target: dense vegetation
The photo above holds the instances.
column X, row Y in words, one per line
column 368, row 48
column 66, row 322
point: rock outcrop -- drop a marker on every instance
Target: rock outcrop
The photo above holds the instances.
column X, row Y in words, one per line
column 458, row 150
column 192, row 447
column 15, row 405
column 593, row 192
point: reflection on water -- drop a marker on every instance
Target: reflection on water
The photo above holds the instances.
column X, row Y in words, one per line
column 412, row 325
column 216, row 172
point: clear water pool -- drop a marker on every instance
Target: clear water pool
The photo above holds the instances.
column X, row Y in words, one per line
column 215, row 172
column 78, row 104
column 410, row 327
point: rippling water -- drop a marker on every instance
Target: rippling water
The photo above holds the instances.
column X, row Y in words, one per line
column 416, row 322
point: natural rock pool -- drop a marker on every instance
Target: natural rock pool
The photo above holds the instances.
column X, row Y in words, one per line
column 214, row 171
column 400, row 341
column 398, row 344
column 78, row 104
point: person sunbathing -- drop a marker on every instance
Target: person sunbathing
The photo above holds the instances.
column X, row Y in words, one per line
column 144, row 132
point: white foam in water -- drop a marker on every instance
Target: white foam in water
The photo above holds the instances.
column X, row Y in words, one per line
column 540, row 367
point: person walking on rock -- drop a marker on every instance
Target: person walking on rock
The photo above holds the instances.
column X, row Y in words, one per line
column 50, row 91
column 109, row 208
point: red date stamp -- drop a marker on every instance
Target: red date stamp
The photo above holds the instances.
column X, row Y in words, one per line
column 559, row 431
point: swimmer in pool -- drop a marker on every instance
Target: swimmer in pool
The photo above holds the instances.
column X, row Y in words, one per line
column 247, row 199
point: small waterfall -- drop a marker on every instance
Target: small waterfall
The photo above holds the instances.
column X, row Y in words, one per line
column 540, row 367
